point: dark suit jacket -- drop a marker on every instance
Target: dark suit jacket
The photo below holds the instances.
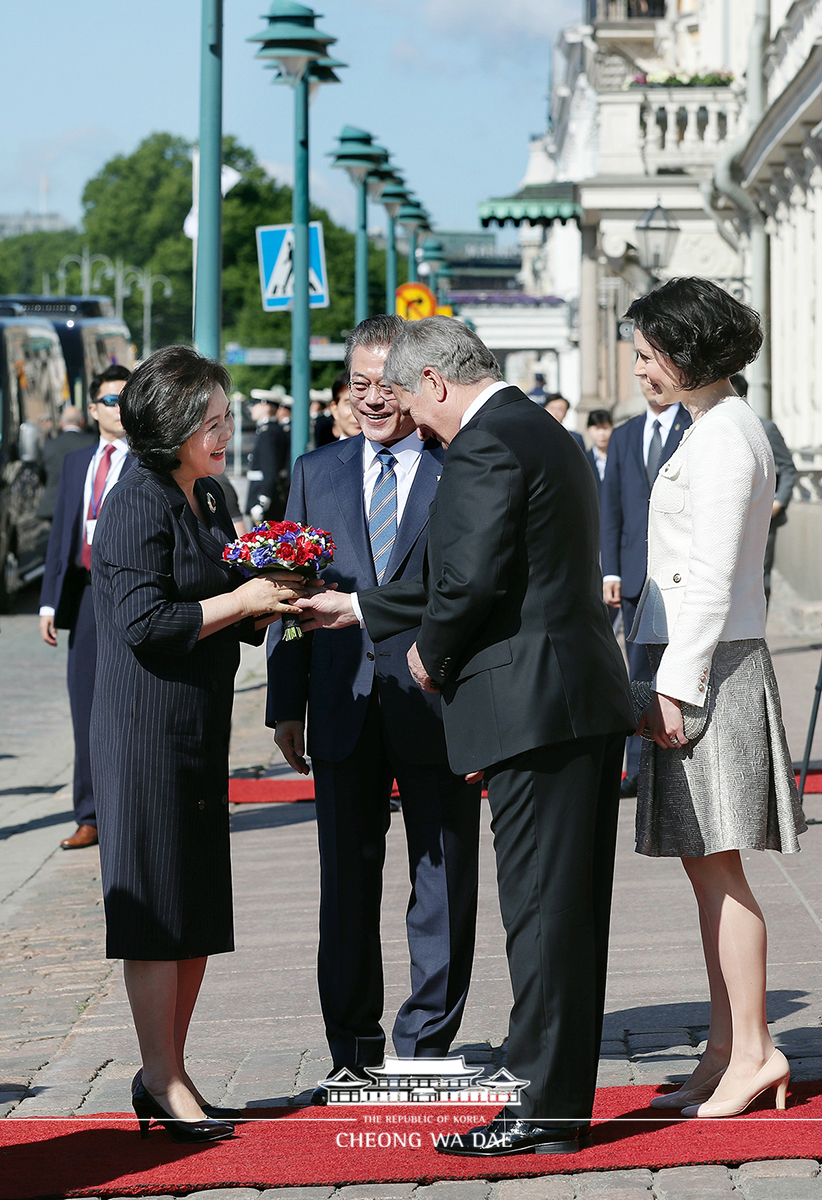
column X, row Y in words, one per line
column 514, row 630
column 624, row 501
column 270, row 456
column 63, row 581
column 589, row 454
column 786, row 472
column 334, row 673
column 54, row 451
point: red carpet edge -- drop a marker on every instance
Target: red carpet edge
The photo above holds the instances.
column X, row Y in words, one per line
column 103, row 1156
column 286, row 791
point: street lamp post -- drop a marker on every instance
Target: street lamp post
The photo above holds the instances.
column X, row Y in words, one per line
column 358, row 155
column 434, row 258
column 413, row 217
column 208, row 275
column 86, row 262
column 145, row 281
column 293, row 42
column 393, row 197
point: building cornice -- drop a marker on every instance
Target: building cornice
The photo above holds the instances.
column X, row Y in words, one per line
column 782, row 123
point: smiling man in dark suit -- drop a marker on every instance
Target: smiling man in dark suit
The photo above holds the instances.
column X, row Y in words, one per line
column 86, row 478
column 636, row 451
column 515, row 637
column 369, row 724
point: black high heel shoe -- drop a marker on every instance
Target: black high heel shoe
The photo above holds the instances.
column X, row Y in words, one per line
column 210, row 1110
column 146, row 1108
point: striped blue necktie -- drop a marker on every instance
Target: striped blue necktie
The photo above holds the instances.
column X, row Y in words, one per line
column 382, row 516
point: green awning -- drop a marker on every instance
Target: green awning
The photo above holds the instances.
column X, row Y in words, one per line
column 539, row 203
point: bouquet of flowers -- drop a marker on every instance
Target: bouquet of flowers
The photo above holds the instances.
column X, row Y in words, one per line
column 282, row 546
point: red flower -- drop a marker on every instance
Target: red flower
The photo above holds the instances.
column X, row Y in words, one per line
column 286, row 552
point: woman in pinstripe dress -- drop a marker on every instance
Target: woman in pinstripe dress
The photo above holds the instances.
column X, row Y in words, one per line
column 170, row 616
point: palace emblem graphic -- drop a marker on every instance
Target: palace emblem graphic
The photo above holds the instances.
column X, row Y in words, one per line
column 424, row 1081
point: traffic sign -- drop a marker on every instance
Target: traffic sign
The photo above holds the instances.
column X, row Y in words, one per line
column 275, row 257
column 415, row 301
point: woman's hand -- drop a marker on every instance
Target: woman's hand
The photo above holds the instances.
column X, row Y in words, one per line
column 663, row 720
column 269, row 596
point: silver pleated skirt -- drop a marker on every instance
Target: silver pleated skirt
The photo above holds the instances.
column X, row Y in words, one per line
column 734, row 788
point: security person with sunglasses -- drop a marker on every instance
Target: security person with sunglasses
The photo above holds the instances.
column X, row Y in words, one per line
column 86, row 478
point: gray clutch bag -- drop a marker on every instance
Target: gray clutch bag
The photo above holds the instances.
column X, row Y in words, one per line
column 693, row 719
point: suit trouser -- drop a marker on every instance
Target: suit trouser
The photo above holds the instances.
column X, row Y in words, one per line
column 82, row 664
column 554, row 813
column 639, row 667
column 441, row 815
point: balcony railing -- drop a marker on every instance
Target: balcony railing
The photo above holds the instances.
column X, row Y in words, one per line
column 664, row 129
column 604, row 11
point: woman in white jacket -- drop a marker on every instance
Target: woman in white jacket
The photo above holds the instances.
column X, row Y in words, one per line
column 702, row 616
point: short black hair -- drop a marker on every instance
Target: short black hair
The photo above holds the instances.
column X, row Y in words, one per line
column 551, row 396
column 112, row 374
column 339, row 386
column 740, row 384
column 373, row 333
column 598, row 416
column 165, row 402
column 705, row 332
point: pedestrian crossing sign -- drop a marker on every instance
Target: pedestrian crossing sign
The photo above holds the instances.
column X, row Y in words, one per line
column 275, row 256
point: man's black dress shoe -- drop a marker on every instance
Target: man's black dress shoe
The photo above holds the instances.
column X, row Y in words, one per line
column 319, row 1095
column 628, row 787
column 508, row 1134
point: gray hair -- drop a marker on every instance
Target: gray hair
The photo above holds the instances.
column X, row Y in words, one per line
column 373, row 333
column 443, row 343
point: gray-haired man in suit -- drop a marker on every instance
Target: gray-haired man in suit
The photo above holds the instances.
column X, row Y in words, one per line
column 369, row 724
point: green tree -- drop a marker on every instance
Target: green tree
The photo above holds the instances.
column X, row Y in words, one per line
column 134, row 209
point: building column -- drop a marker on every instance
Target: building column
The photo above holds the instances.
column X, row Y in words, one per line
column 589, row 321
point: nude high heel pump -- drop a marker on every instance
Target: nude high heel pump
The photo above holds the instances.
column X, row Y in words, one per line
column 774, row 1074
column 689, row 1096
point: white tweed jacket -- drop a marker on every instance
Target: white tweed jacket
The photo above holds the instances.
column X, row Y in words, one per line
column 709, row 518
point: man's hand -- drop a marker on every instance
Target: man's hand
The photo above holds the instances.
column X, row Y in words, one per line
column 612, row 592
column 776, row 509
column 418, row 671
column 47, row 631
column 290, row 737
column 328, row 609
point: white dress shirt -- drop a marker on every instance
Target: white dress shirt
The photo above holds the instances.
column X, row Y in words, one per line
column 407, row 455
column 485, row 395
column 666, row 423
column 115, row 467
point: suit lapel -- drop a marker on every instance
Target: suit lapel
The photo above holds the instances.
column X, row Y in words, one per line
column 346, row 482
column 415, row 514
column 636, row 450
column 681, row 423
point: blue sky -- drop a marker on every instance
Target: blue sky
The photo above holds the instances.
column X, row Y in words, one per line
column 453, row 88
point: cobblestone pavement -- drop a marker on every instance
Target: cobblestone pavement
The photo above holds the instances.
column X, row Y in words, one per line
column 67, row 1045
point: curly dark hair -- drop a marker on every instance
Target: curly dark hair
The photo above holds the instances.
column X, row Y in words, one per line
column 700, row 327
column 165, row 402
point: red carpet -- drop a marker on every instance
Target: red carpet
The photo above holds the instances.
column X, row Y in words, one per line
column 104, row 1156
column 280, row 791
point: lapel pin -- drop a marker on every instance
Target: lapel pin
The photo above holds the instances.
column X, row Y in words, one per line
column 676, row 427
column 439, row 477
column 211, row 502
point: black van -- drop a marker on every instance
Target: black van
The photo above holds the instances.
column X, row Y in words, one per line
column 92, row 337
column 33, row 389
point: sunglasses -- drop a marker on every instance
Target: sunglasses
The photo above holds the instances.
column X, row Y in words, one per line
column 110, row 401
